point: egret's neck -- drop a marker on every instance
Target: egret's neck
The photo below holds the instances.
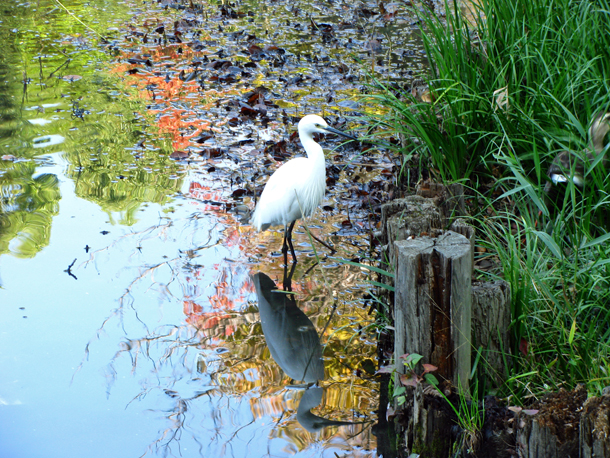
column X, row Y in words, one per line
column 313, row 150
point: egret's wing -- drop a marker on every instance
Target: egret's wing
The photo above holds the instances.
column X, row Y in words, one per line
column 278, row 203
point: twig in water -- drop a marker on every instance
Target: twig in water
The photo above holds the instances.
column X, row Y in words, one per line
column 81, row 22
column 69, row 270
column 332, row 250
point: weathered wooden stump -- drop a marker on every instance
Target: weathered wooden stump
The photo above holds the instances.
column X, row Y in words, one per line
column 440, row 314
column 448, row 198
column 436, row 307
column 408, row 217
column 428, row 430
column 490, row 324
column 433, row 303
column 595, row 428
column 462, row 227
column 554, row 431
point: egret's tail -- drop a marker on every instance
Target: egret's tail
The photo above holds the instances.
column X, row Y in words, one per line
column 257, row 223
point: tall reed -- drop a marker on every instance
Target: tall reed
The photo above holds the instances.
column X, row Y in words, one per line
column 511, row 88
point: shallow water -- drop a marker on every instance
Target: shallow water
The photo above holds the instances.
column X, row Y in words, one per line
column 131, row 322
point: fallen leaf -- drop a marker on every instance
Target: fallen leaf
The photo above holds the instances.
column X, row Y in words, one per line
column 385, row 370
column 71, row 78
column 523, row 346
column 179, row 155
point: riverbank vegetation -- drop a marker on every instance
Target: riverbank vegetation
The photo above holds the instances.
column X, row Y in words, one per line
column 511, row 86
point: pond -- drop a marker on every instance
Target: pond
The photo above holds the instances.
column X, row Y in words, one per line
column 139, row 311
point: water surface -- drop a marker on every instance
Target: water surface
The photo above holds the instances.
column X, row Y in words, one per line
column 131, row 290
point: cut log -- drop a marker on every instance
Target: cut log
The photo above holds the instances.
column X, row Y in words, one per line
column 449, row 199
column 432, row 303
column 490, row 323
column 554, row 431
column 408, row 217
column 428, row 424
column 462, row 227
column 595, row 428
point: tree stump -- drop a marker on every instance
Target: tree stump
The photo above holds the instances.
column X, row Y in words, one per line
column 462, row 227
column 432, row 306
column 448, row 198
column 554, row 431
column 408, row 217
column 490, row 322
column 429, row 425
column 595, row 428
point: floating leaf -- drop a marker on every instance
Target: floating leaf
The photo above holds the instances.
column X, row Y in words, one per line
column 179, row 155
column 71, row 78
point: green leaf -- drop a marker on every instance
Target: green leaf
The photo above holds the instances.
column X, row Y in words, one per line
column 598, row 241
column 572, row 332
column 550, row 243
column 400, row 390
column 431, row 379
column 412, row 360
column 382, row 285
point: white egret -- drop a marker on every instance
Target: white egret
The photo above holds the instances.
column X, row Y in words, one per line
column 567, row 162
column 295, row 189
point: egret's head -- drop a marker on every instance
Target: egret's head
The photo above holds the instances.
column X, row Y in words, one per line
column 311, row 124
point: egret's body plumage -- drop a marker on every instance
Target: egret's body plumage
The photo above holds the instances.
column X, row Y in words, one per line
column 297, row 188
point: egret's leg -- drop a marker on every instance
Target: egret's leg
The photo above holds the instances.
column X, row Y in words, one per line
column 285, row 246
column 288, row 276
column 288, row 238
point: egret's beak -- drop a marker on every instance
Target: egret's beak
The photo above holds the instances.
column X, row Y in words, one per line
column 338, row 132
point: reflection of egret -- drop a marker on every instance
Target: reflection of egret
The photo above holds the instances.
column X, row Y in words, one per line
column 291, row 336
column 295, row 189
column 294, row 345
column 567, row 162
column 312, row 423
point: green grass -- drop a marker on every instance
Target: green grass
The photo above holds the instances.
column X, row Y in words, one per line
column 553, row 60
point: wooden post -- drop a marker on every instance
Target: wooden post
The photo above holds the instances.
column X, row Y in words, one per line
column 448, row 198
column 432, row 209
column 408, row 217
column 462, row 227
column 554, row 431
column 595, row 428
column 490, row 323
column 429, row 426
column 433, row 303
